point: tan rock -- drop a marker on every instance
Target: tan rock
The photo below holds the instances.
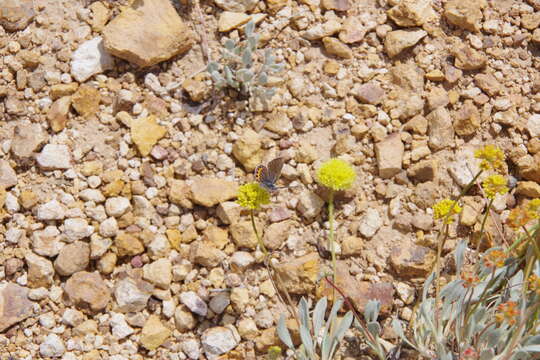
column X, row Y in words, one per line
column 72, row 258
column 86, row 100
column 275, row 5
column 467, row 58
column 14, row 305
column 279, row 123
column 489, row 84
column 412, row 12
column 352, row 245
column 40, row 271
column 299, row 276
column 412, row 261
column 465, row 14
column 154, row 333
column 338, row 5
column 389, row 154
column 205, row 254
column 100, row 15
column 277, row 233
column 217, row 236
column 397, row 41
column 128, row 245
column 441, row 131
column 61, row 90
column 425, row 170
column 196, row 89
column 16, row 15
column 147, row 33
column 529, row 167
column 229, row 20
column 243, row 235
column 87, row 291
column 354, row 30
column 8, row 176
column 212, row 191
column 335, row 47
column 58, row 113
column 159, row 273
column 247, row 149
column 467, row 119
column 145, row 133
column 529, row 189
column 435, row 75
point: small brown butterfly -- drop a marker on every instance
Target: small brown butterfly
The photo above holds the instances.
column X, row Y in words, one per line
column 269, row 174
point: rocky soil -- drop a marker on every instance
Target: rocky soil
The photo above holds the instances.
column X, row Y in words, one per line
column 119, row 164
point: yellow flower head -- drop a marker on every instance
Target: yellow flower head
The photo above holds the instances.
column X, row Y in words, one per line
column 534, row 283
column 494, row 258
column 336, row 174
column 495, row 184
column 252, row 196
column 533, row 208
column 274, row 353
column 445, row 209
column 492, row 157
column 508, row 312
column 518, row 218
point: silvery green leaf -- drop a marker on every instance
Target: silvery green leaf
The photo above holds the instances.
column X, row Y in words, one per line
column 460, row 254
column 343, row 326
column 228, row 74
column 326, row 348
column 250, row 26
column 530, row 348
column 246, row 58
column 269, row 93
column 262, row 78
column 306, row 339
column 371, row 311
column 283, row 333
column 303, row 312
column 230, row 44
column 533, row 340
column 244, row 75
column 427, row 284
column 216, row 77
column 453, row 291
column 487, row 354
column 333, row 313
column 212, row 67
column 275, row 67
column 252, row 42
column 374, row 328
column 268, row 57
column 318, row 315
column 396, row 325
column 514, row 285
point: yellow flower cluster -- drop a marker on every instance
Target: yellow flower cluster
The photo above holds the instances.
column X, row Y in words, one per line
column 493, row 185
column 336, row 174
column 492, row 157
column 494, row 258
column 518, row 218
column 534, row 283
column 445, row 209
column 533, row 208
column 252, row 196
column 508, row 312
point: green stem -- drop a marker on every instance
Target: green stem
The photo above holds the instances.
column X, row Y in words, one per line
column 533, row 242
column 331, row 243
column 484, row 220
column 259, row 240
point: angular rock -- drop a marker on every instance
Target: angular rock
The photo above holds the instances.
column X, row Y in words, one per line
column 205, row 254
column 309, row 204
column 412, row 261
column 154, row 333
column 209, row 192
column 370, row 223
column 412, row 12
column 243, row 235
column 87, row 291
column 468, row 58
column 529, row 189
column 52, row 210
column 335, row 47
column 229, row 20
column 338, row 5
column 184, row 319
column 77, row 229
column 236, row 5
column 369, row 93
column 117, row 206
column 27, row 139
column 14, row 305
column 423, row 171
column 90, row 59
column 52, row 347
column 441, row 131
column 397, row 41
column 194, row 303
column 145, row 133
column 128, row 245
column 465, row 14
column 247, row 149
column 72, row 258
column 119, row 327
column 467, row 119
column 86, row 100
column 40, row 271
column 16, row 14
column 299, row 276
column 276, row 234
column 147, row 33
column 54, row 157
column 159, row 273
column 354, row 29
column 46, row 242
column 533, row 125
column 8, row 176
column 57, row 115
column 217, row 341
column 488, row 83
column 389, row 154
column 132, row 294
column 408, row 76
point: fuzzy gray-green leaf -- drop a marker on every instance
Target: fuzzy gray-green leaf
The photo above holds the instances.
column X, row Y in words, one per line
column 318, row 315
column 283, row 333
column 306, row 339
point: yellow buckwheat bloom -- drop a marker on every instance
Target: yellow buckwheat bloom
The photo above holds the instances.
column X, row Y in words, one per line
column 492, row 157
column 507, row 312
column 252, row 196
column 445, row 209
column 336, row 174
column 533, row 208
column 495, row 184
column 518, row 218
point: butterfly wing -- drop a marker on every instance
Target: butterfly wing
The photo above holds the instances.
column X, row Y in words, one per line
column 261, row 173
column 274, row 169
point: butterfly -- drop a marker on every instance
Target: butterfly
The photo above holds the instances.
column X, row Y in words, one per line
column 269, row 174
